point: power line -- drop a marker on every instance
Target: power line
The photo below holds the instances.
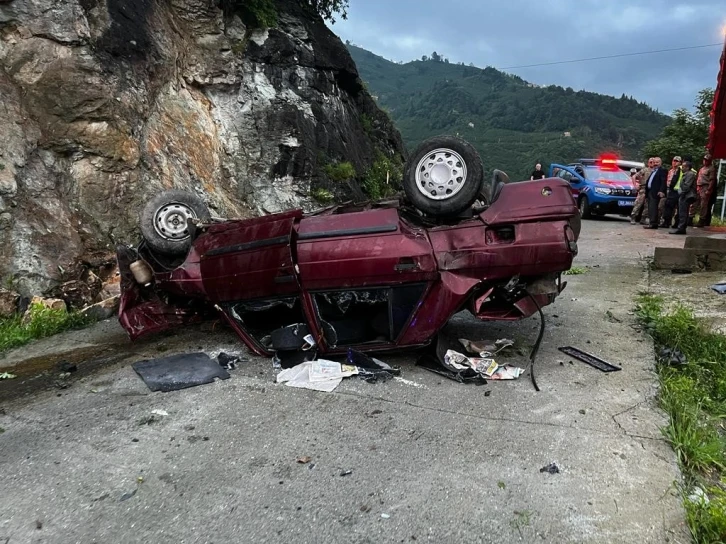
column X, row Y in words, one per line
column 614, row 56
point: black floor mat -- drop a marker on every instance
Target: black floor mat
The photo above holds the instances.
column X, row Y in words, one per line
column 179, row 371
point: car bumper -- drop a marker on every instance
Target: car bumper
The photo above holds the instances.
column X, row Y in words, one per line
column 612, row 205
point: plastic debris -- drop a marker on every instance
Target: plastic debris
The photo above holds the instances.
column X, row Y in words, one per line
column 160, row 412
column 484, row 366
column 7, row 376
column 698, row 496
column 720, row 288
column 320, row 375
column 672, row 357
column 346, row 472
column 385, row 516
column 304, row 460
column 371, row 369
column 552, row 468
column 228, row 362
column 484, row 348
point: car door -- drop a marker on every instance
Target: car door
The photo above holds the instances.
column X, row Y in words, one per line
column 568, row 173
column 249, row 259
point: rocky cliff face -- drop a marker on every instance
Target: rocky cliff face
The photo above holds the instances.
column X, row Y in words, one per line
column 103, row 103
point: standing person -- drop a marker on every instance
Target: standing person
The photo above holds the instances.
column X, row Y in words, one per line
column 706, row 186
column 655, row 190
column 686, row 196
column 641, row 177
column 538, row 172
column 675, row 174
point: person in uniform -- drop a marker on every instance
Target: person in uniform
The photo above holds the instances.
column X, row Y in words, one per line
column 706, row 187
column 687, row 195
column 675, row 174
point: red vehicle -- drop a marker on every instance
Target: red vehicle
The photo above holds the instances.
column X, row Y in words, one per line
column 373, row 277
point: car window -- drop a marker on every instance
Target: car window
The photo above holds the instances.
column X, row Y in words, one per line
column 261, row 317
column 595, row 173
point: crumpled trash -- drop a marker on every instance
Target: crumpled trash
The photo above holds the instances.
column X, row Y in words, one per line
column 484, row 348
column 484, row 366
column 320, row 375
column 229, row 362
column 371, row 369
column 552, row 468
column 720, row 288
column 672, row 357
column 7, row 376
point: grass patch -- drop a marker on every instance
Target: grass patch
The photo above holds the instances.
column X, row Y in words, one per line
column 42, row 322
column 694, row 396
column 322, row 195
column 340, row 171
column 383, row 178
column 575, row 271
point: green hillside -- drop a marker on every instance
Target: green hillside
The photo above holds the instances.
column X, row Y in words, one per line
column 512, row 123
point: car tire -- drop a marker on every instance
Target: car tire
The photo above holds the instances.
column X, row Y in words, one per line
column 443, row 176
column 584, row 206
column 164, row 221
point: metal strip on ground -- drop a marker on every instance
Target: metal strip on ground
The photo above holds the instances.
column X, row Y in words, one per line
column 589, row 359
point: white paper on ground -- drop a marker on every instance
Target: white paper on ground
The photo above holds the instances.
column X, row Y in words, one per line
column 320, row 375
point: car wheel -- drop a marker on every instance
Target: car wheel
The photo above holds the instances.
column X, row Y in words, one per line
column 163, row 221
column 443, row 176
column 585, row 212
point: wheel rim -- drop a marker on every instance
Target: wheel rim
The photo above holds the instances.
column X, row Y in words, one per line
column 441, row 174
column 170, row 221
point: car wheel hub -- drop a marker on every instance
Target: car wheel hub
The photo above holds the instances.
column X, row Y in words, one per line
column 170, row 221
column 440, row 174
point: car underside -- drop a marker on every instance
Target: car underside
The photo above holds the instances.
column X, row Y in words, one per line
column 375, row 276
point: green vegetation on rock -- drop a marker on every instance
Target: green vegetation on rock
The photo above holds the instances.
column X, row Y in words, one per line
column 512, row 123
column 383, row 178
column 264, row 13
column 340, row 171
column 322, row 195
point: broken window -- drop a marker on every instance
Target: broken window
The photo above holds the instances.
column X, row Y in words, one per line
column 368, row 315
column 260, row 317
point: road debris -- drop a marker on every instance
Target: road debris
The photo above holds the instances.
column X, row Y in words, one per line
column 179, row 371
column 228, row 362
column 720, row 288
column 304, row 460
column 7, row 376
column 346, row 472
column 160, row 412
column 484, row 348
column 371, row 369
column 552, row 468
column 320, row 375
column 409, row 382
column 589, row 359
column 672, row 357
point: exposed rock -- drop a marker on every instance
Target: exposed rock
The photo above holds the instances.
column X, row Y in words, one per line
column 106, row 102
column 8, row 303
column 77, row 294
column 52, row 303
column 103, row 309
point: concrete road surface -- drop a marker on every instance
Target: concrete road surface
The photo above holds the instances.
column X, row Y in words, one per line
column 429, row 460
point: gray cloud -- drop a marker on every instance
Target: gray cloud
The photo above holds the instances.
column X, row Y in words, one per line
column 518, row 32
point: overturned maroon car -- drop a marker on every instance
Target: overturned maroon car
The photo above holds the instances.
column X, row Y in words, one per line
column 374, row 276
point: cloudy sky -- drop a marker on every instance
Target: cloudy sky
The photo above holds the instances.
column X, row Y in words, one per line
column 523, row 32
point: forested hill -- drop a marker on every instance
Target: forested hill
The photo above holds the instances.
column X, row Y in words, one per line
column 512, row 123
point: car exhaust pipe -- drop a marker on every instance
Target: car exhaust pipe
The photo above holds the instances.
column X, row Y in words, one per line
column 142, row 272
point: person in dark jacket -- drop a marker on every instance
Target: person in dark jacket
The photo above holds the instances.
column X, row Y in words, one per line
column 687, row 196
column 655, row 188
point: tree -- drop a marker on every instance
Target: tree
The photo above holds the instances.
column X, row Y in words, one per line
column 435, row 57
column 263, row 13
column 424, row 58
column 687, row 134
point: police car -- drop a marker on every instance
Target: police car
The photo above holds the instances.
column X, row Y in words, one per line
column 600, row 186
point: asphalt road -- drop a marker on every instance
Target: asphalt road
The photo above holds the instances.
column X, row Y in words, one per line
column 429, row 459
